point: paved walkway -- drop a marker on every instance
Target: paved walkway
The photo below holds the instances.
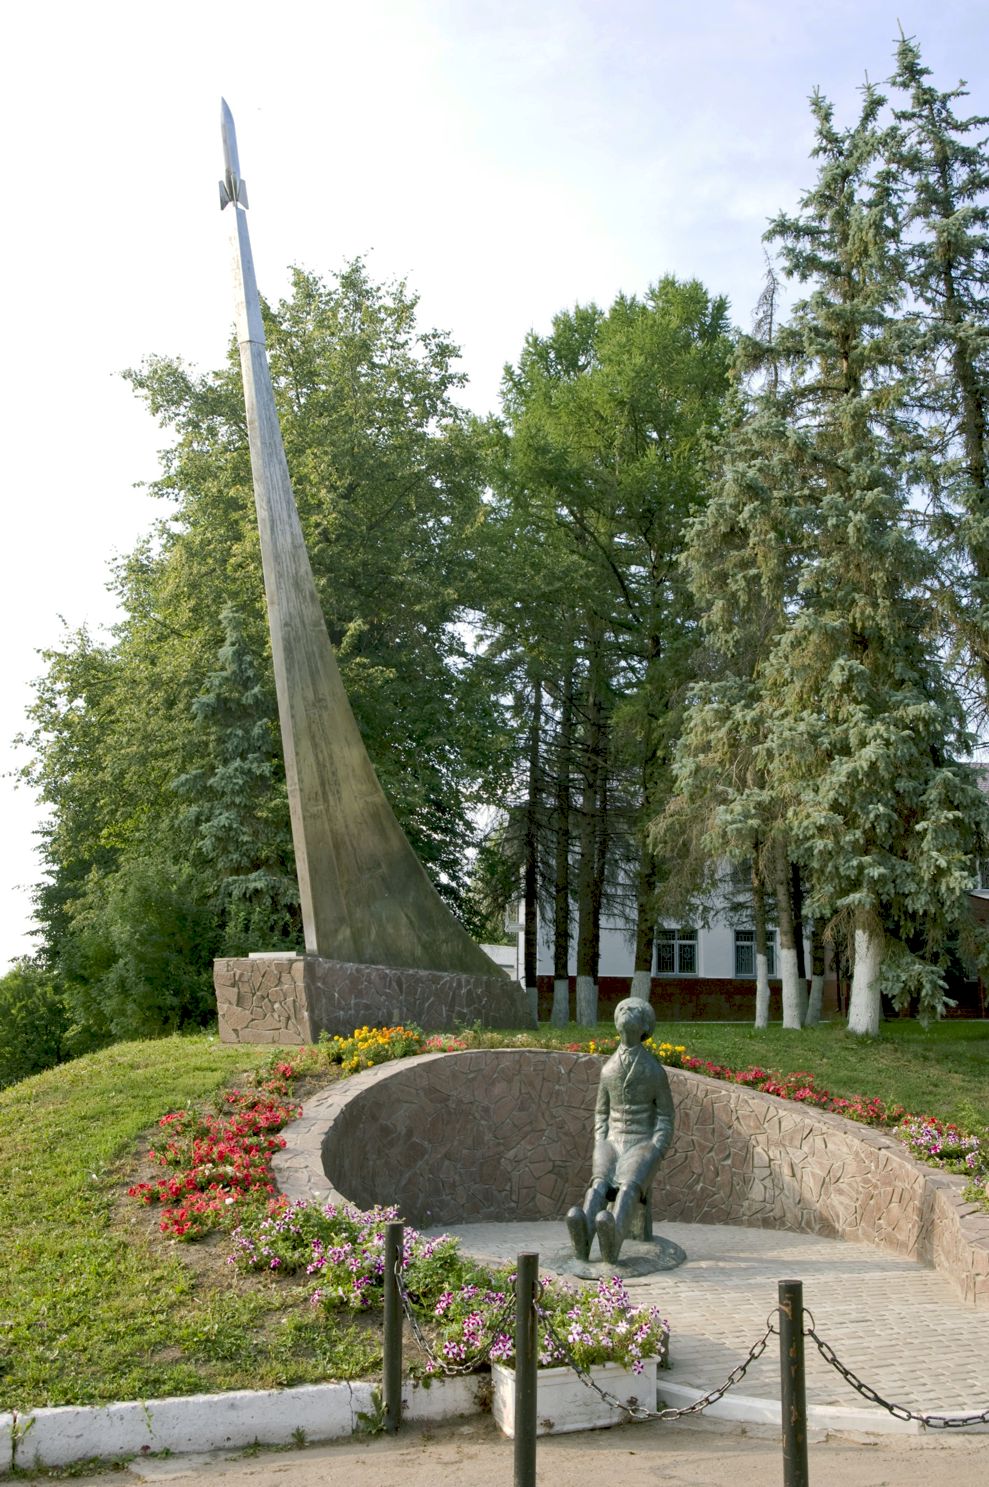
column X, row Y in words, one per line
column 894, row 1322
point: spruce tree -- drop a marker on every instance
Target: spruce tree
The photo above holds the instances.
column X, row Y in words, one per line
column 831, row 702
column 236, row 804
column 742, row 560
column 865, row 730
column 942, row 161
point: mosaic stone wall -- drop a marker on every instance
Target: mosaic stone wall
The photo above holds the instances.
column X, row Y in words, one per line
column 293, row 998
column 506, row 1134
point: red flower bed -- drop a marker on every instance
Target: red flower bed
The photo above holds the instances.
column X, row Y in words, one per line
column 218, row 1159
column 800, row 1087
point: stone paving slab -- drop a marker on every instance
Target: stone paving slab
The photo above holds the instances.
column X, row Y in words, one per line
column 896, row 1323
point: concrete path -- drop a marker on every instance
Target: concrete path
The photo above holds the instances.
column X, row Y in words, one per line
column 895, row 1323
column 474, row 1453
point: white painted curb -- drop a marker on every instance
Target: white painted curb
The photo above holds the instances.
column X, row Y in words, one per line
column 213, row 1422
column 754, row 1410
column 749, row 1409
column 274, row 1417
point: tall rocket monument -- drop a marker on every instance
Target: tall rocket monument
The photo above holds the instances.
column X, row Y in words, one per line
column 366, row 899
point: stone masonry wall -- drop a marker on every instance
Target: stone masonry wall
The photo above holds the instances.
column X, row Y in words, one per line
column 505, row 1134
column 293, row 998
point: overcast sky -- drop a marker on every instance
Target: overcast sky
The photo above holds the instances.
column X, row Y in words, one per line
column 507, row 157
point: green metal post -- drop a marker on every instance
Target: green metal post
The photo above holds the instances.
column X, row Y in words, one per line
column 392, row 1343
column 526, row 1359
column 793, row 1391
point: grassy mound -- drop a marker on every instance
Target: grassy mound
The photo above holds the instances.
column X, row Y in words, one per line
column 95, row 1305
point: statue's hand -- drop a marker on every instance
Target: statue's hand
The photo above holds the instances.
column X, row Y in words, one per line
column 662, row 1135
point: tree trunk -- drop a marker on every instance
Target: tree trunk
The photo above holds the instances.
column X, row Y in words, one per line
column 586, row 999
column 641, row 985
column 531, row 878
column 560, row 1015
column 788, row 951
column 817, row 975
column 645, row 906
column 797, row 903
column 645, row 926
column 797, row 910
column 761, row 950
column 561, row 863
column 586, row 959
column 864, row 1004
column 589, row 880
column 587, row 985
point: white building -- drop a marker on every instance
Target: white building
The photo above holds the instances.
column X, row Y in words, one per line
column 705, row 969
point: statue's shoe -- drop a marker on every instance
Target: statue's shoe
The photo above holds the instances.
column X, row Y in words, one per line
column 608, row 1241
column 579, row 1237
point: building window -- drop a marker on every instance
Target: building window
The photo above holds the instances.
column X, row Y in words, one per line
column 745, row 952
column 676, row 952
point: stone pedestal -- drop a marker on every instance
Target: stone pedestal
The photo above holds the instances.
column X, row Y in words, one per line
column 294, row 998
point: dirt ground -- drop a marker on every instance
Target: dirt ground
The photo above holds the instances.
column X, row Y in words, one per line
column 476, row 1454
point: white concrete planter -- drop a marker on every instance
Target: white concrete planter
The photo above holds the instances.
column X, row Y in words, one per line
column 564, row 1403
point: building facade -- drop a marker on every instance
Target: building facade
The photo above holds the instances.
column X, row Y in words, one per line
column 705, row 969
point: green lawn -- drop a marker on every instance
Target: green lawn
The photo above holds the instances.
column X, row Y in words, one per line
column 92, row 1310
column 94, row 1306
column 943, row 1071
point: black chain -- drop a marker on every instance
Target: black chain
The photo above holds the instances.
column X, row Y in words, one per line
column 636, row 1411
column 933, row 1422
column 502, row 1322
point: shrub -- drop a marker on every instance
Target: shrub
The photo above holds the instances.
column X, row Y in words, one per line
column 33, row 1022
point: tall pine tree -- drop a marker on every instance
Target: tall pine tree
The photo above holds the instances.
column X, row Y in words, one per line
column 942, row 162
column 857, row 728
column 865, row 730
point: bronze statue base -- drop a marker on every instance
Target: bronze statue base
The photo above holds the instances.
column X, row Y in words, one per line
column 636, row 1257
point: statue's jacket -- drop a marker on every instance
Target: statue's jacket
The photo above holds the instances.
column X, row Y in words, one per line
column 633, row 1118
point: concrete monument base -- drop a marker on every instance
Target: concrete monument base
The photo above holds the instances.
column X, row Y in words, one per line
column 283, row 998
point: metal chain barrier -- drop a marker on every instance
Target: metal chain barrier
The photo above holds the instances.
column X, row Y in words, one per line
column 502, row 1323
column 932, row 1422
column 639, row 1411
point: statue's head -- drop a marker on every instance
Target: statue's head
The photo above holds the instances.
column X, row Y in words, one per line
column 633, row 1014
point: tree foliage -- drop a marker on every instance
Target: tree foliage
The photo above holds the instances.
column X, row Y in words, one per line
column 604, row 453
column 833, row 723
column 34, row 1025
column 156, row 752
column 651, row 624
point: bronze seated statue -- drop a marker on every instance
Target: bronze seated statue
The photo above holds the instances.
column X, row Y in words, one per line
column 633, row 1126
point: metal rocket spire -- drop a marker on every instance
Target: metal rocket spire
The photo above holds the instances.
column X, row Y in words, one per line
column 365, row 896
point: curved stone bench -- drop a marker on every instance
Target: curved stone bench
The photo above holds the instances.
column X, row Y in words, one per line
column 505, row 1134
